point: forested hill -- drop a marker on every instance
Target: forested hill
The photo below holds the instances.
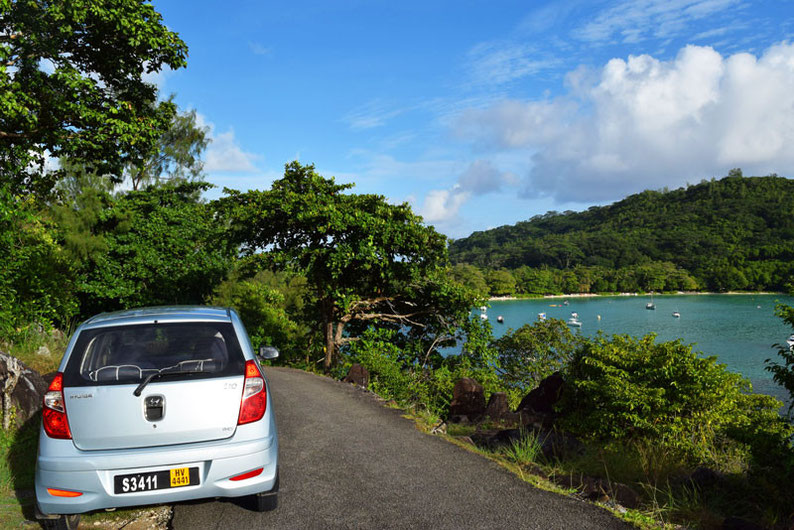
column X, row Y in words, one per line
column 734, row 233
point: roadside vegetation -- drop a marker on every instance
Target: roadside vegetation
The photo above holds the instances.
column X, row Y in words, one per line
column 332, row 277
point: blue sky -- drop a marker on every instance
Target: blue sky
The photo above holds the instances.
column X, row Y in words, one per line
column 482, row 114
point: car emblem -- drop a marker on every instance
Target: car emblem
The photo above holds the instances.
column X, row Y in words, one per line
column 154, row 407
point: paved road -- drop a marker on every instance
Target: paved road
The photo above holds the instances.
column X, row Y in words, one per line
column 348, row 462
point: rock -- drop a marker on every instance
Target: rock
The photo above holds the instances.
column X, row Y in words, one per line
column 468, row 399
column 559, row 445
column 358, row 375
column 543, row 398
column 511, row 418
column 537, row 420
column 44, row 351
column 705, row 478
column 736, row 523
column 625, row 496
column 21, row 390
column 497, row 406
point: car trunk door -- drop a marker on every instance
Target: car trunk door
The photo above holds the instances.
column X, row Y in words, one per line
column 167, row 412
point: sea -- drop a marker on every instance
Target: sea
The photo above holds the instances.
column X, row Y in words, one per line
column 740, row 330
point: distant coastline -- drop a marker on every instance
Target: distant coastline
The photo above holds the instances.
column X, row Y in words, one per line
column 595, row 295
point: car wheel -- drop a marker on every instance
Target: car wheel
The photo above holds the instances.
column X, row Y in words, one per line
column 64, row 522
column 265, row 502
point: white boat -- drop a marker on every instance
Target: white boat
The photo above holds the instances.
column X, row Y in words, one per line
column 483, row 314
column 500, row 319
column 575, row 315
column 574, row 322
column 790, row 342
column 676, row 314
column 650, row 305
column 542, row 316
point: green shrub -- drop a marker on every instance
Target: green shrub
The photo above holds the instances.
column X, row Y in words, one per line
column 623, row 388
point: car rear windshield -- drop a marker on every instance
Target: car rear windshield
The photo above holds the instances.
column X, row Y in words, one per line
column 130, row 354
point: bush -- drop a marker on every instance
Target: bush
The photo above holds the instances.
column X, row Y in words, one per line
column 626, row 388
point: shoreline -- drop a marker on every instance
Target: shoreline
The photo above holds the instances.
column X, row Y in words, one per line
column 597, row 295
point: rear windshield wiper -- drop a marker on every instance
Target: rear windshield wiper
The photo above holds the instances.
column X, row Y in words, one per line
column 158, row 375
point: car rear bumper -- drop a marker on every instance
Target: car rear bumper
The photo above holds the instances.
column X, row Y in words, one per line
column 91, row 473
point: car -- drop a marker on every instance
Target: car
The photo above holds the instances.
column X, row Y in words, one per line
column 155, row 406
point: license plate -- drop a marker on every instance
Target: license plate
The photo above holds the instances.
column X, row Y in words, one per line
column 158, row 480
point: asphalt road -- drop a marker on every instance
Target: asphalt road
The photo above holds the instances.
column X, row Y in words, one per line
column 346, row 461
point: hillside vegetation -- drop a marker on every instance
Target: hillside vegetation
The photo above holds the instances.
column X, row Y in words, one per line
column 736, row 233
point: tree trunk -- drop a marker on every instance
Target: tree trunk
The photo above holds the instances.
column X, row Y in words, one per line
column 328, row 325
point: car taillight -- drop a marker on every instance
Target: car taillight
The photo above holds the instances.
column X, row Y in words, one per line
column 56, row 424
column 254, row 402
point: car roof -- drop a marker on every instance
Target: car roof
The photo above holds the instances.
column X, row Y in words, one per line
column 147, row 315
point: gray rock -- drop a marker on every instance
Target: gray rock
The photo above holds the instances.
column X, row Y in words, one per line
column 497, row 406
column 21, row 390
column 543, row 398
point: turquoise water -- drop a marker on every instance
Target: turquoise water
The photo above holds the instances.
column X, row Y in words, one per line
column 738, row 329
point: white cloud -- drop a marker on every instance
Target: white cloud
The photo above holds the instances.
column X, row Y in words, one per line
column 644, row 123
column 496, row 63
column 372, row 114
column 224, row 154
column 636, row 20
column 480, row 178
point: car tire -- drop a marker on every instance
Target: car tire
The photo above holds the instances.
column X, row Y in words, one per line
column 64, row 522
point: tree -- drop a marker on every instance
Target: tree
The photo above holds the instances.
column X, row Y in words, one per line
column 470, row 277
column 163, row 247
column 534, row 351
column 362, row 257
column 177, row 156
column 783, row 374
column 71, row 85
column 501, row 282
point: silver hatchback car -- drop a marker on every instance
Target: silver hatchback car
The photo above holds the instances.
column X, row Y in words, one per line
column 156, row 405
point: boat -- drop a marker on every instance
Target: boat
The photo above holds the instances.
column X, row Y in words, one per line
column 790, row 342
column 483, row 315
column 676, row 314
column 500, row 319
column 574, row 315
column 574, row 322
column 650, row 305
column 542, row 317
column 565, row 302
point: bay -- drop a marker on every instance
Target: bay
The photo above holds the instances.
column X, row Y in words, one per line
column 740, row 330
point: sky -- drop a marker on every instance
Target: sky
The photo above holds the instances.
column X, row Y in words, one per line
column 485, row 113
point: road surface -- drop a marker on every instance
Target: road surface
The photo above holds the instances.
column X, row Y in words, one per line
column 346, row 461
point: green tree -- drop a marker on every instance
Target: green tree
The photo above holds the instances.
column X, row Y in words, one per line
column 534, row 351
column 177, row 157
column 501, row 282
column 71, row 85
column 623, row 388
column 362, row 257
column 163, row 247
column 470, row 277
column 783, row 374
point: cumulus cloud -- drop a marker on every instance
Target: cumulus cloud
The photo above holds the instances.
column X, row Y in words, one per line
column 644, row 123
column 480, row 178
column 224, row 154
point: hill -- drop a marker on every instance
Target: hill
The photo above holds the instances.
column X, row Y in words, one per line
column 728, row 234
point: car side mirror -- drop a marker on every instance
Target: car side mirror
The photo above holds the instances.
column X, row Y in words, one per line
column 268, row 352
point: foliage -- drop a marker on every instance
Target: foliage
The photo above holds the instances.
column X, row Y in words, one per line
column 35, row 279
column 624, row 388
column 269, row 306
column 783, row 374
column 71, row 85
column 360, row 255
column 177, row 157
column 730, row 234
column 535, row 351
column 470, row 277
column 163, row 247
column 501, row 282
column 526, row 449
